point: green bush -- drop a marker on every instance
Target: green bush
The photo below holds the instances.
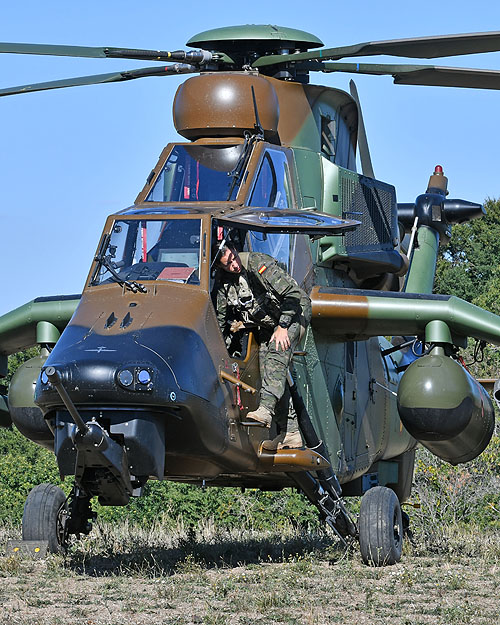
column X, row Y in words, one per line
column 225, row 507
column 23, row 465
column 467, row 494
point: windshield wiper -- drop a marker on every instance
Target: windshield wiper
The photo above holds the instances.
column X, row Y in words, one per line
column 237, row 172
column 107, row 263
column 131, row 285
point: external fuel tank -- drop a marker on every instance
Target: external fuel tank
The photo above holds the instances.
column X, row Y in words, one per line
column 25, row 414
column 445, row 408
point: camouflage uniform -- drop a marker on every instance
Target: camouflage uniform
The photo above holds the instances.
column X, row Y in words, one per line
column 264, row 296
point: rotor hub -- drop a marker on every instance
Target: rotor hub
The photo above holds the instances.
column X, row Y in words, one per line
column 244, row 44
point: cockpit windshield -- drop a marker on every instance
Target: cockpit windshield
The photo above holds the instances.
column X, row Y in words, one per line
column 197, row 173
column 159, row 249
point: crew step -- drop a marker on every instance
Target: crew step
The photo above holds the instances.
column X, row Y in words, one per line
column 291, row 460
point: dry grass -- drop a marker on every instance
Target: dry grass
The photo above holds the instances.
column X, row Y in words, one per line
column 140, row 576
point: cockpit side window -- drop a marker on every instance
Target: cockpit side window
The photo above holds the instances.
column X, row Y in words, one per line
column 328, row 137
column 271, row 188
column 276, row 245
column 335, row 134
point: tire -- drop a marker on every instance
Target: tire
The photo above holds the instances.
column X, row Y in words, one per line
column 380, row 527
column 40, row 516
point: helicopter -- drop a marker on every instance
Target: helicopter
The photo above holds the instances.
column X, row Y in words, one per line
column 135, row 381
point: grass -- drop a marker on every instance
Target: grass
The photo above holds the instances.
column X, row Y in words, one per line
column 125, row 573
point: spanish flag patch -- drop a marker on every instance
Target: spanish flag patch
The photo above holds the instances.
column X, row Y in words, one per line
column 262, row 269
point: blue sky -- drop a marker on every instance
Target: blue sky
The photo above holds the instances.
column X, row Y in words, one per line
column 71, row 157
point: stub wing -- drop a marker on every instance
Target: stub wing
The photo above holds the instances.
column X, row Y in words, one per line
column 39, row 321
column 352, row 314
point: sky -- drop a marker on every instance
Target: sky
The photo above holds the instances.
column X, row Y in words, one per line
column 71, row 157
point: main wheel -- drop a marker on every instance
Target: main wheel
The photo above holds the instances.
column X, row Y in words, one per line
column 40, row 516
column 380, row 527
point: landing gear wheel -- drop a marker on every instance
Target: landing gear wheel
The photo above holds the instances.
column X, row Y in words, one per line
column 380, row 527
column 41, row 516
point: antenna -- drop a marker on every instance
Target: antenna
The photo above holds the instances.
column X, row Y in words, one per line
column 257, row 125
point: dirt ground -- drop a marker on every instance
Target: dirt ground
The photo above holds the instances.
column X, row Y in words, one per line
column 244, row 582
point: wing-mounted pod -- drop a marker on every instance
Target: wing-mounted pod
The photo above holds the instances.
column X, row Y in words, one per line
column 25, row 414
column 445, row 408
column 432, row 209
column 38, row 322
column 439, row 402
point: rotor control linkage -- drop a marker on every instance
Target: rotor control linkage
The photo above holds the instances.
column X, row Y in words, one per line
column 55, row 379
column 196, row 57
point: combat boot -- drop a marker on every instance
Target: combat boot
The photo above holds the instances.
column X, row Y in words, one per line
column 284, row 440
column 262, row 415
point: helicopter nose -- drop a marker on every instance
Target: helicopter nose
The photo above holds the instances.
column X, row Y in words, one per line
column 156, row 366
column 104, row 381
column 156, row 389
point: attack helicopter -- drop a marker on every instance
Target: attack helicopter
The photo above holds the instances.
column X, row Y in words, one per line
column 135, row 381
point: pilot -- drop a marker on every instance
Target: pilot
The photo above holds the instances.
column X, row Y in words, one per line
column 254, row 293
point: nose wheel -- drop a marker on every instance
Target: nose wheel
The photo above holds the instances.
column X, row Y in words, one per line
column 51, row 516
column 40, row 516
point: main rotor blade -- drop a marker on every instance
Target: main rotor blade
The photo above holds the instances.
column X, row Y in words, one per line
column 431, row 75
column 364, row 150
column 416, row 48
column 193, row 56
column 167, row 70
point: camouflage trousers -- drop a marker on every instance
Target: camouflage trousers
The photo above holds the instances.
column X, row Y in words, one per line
column 274, row 364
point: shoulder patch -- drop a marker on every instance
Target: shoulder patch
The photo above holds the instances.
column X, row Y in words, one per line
column 262, row 268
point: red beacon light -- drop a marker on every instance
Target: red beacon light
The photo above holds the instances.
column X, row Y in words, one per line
column 438, row 182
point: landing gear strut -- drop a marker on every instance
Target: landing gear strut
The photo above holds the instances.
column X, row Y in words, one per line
column 76, row 516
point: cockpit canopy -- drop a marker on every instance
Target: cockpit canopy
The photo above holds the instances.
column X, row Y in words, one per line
column 198, row 173
column 216, row 173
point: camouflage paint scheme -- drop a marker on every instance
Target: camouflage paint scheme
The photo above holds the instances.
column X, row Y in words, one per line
column 348, row 384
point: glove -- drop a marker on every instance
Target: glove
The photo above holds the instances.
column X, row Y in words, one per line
column 236, row 326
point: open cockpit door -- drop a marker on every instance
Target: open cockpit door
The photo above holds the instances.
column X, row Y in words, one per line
column 291, row 221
